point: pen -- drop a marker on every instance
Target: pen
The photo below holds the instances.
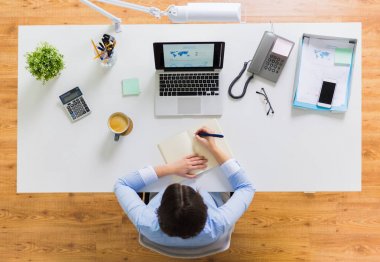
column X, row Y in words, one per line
column 203, row 134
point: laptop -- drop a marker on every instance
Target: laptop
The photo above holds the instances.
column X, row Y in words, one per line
column 187, row 78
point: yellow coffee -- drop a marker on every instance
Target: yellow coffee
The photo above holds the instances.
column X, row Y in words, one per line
column 118, row 123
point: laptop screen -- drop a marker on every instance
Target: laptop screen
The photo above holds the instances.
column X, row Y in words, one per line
column 188, row 56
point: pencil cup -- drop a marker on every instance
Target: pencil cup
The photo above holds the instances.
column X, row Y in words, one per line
column 105, row 51
column 108, row 62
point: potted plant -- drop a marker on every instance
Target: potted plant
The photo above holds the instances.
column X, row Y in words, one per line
column 45, row 62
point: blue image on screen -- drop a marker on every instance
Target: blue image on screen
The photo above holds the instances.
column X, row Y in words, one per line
column 188, row 55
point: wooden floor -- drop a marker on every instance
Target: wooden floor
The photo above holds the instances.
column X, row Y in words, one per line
column 277, row 226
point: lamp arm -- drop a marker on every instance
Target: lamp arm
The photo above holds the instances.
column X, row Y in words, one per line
column 149, row 10
column 102, row 11
column 115, row 19
column 193, row 12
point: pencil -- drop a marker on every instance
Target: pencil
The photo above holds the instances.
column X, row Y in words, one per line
column 96, row 49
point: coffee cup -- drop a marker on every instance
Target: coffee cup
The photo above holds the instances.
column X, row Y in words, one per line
column 119, row 124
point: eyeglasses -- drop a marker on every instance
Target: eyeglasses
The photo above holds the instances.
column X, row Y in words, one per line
column 266, row 100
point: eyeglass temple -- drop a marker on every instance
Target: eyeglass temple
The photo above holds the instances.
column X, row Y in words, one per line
column 267, row 100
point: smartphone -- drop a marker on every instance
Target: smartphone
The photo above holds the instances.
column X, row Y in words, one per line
column 327, row 93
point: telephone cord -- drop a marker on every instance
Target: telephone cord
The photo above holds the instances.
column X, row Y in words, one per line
column 236, row 79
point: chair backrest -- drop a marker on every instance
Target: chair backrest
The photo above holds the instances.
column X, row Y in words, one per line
column 222, row 244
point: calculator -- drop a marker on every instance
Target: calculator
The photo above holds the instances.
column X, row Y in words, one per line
column 74, row 104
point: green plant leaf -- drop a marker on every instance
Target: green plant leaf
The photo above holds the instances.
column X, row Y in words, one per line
column 45, row 62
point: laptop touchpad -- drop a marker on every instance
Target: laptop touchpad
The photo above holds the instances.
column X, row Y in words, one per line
column 189, row 105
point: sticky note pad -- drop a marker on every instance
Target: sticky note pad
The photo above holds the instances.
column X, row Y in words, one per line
column 343, row 56
column 130, row 87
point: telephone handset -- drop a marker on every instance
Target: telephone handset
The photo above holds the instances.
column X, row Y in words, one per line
column 270, row 56
column 268, row 60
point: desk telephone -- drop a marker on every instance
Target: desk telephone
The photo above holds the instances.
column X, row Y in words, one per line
column 268, row 60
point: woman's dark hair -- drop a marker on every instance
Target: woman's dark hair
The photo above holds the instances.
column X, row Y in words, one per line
column 182, row 212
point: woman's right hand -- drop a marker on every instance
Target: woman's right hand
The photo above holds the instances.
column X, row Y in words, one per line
column 210, row 143
column 207, row 141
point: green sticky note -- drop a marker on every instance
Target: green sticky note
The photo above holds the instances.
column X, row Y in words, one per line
column 343, row 56
column 130, row 87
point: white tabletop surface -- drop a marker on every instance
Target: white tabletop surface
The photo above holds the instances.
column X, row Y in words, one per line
column 294, row 150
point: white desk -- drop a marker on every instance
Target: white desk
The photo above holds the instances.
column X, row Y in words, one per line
column 295, row 150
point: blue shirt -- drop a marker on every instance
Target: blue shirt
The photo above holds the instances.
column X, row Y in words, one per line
column 220, row 218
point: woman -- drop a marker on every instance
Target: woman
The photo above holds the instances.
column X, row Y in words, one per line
column 179, row 215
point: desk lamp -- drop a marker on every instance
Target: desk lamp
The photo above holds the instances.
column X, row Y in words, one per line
column 192, row 12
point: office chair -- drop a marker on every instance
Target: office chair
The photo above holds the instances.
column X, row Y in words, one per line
column 221, row 245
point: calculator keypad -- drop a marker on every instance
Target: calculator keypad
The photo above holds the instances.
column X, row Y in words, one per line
column 77, row 108
column 273, row 64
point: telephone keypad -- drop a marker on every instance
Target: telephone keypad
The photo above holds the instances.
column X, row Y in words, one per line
column 273, row 64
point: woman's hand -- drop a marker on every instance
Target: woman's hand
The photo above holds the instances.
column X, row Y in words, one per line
column 207, row 141
column 183, row 167
column 210, row 143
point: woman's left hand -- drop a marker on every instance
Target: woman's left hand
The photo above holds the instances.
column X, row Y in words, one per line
column 185, row 166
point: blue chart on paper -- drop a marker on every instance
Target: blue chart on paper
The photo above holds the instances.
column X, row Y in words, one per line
column 188, row 55
column 321, row 54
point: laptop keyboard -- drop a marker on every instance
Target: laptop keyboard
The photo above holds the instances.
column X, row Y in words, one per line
column 189, row 84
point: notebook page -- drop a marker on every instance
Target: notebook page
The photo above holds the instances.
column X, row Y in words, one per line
column 176, row 147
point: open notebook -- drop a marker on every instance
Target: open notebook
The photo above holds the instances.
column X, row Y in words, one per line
column 184, row 144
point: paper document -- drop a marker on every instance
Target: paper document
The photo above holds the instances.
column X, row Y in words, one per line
column 318, row 64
